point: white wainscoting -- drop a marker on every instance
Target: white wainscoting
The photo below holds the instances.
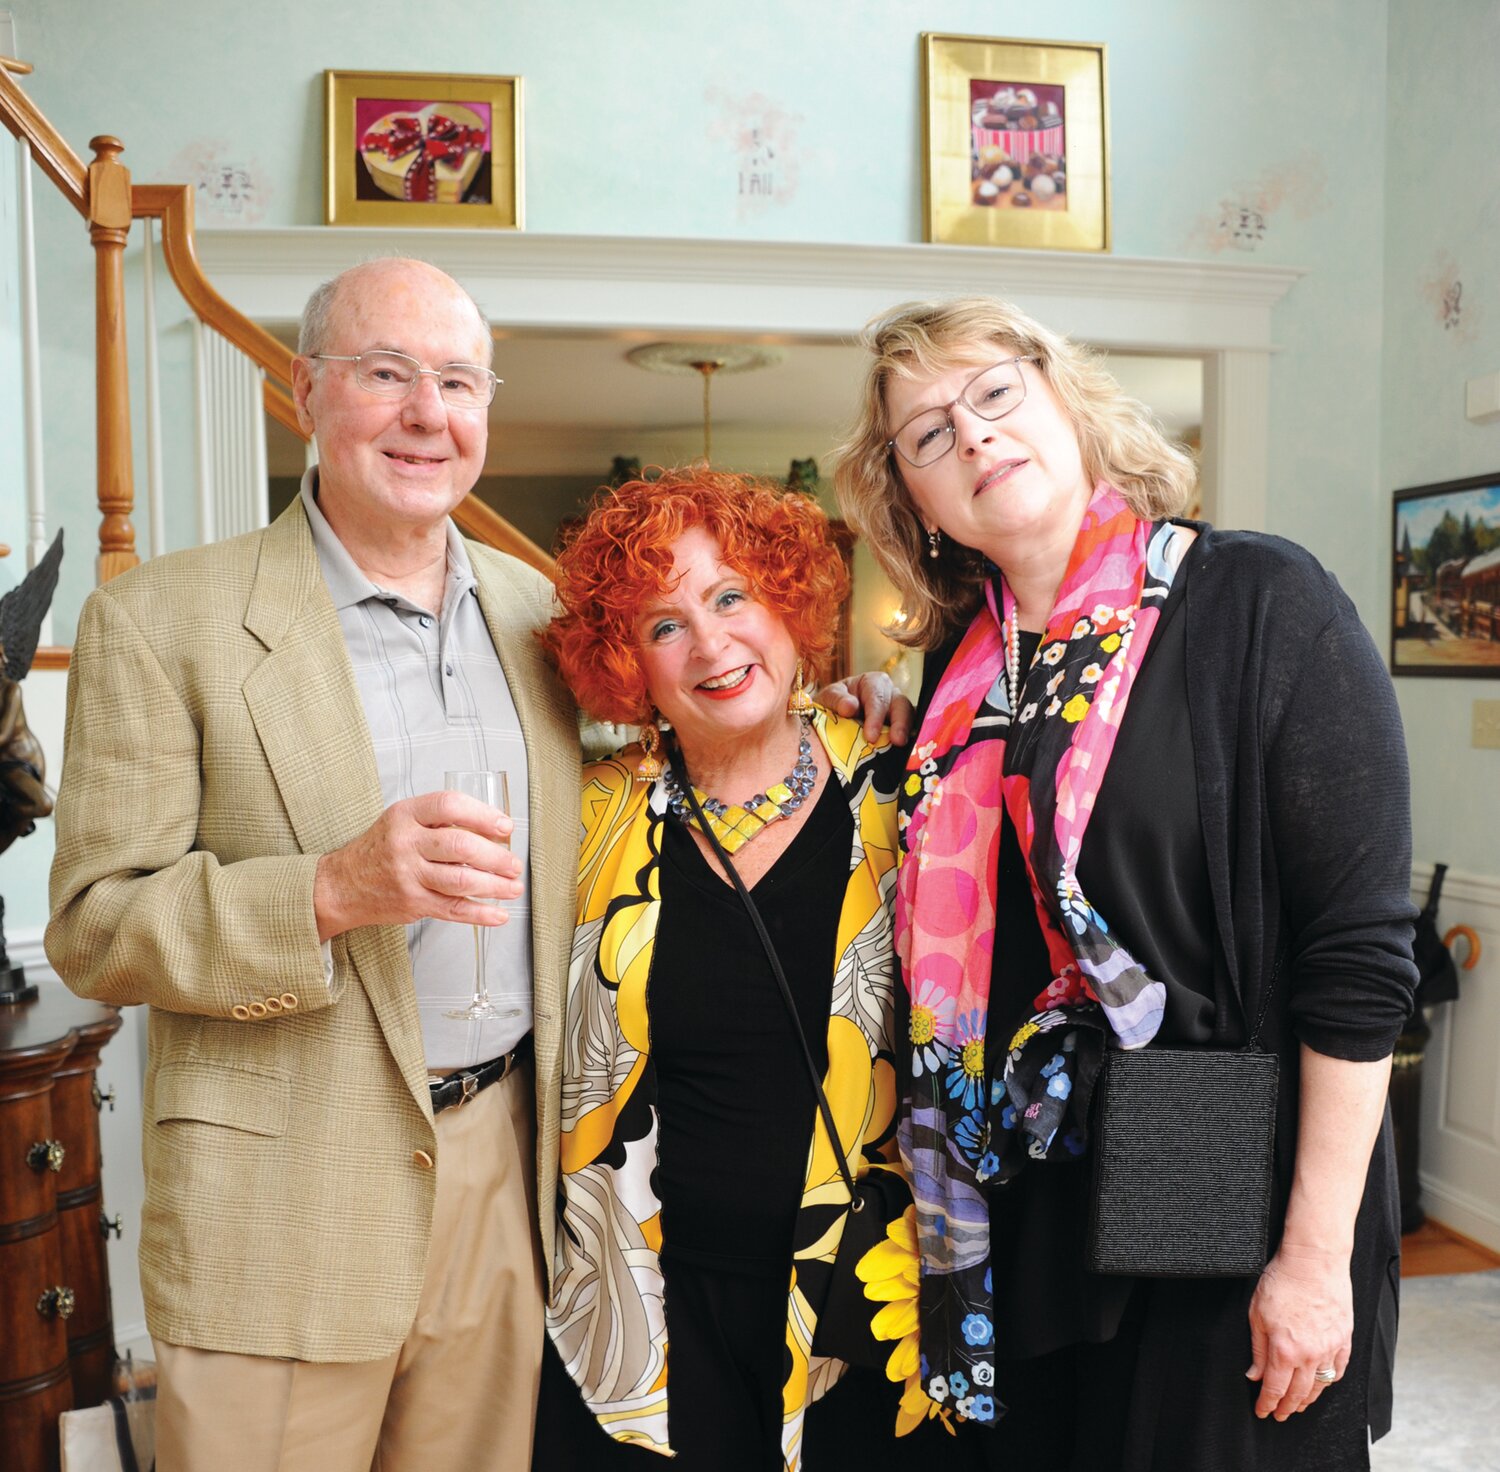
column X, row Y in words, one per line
column 1460, row 1164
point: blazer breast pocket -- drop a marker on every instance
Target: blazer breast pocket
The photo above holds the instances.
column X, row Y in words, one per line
column 253, row 1100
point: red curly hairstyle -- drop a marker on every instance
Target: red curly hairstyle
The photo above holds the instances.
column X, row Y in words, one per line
column 621, row 556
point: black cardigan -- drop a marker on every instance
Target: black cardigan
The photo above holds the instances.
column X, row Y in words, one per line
column 1302, row 786
column 1305, row 812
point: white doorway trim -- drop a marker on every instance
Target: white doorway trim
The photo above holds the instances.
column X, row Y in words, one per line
column 1209, row 309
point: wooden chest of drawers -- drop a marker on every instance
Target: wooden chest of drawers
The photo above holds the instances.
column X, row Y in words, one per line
column 56, row 1336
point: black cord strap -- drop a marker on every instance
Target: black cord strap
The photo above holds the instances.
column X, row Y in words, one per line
column 855, row 1202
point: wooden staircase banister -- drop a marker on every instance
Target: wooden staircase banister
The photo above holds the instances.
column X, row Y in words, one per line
column 48, row 147
column 103, row 193
column 172, row 204
column 477, row 519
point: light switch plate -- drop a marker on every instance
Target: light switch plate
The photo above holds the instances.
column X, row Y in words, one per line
column 1482, row 398
column 1487, row 723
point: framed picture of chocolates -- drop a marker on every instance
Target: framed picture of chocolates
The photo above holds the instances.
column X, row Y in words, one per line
column 1015, row 143
column 411, row 148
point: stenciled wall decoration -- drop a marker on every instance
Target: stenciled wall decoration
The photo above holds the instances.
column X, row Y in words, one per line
column 763, row 135
column 1243, row 218
column 231, row 189
column 1442, row 289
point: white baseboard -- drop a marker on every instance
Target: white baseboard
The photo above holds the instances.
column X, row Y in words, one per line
column 134, row 1338
column 24, row 946
column 1465, row 1214
column 1461, row 886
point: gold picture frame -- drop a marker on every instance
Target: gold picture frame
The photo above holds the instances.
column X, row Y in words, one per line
column 1015, row 142
column 418, row 149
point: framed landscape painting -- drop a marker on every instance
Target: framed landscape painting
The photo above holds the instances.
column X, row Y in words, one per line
column 1445, row 585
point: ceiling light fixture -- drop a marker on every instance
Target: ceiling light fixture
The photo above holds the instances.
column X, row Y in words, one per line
column 706, row 360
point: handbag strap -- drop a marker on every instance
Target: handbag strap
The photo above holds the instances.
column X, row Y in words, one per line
column 751, row 909
column 123, row 1444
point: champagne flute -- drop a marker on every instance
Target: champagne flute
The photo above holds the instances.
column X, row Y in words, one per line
column 492, row 788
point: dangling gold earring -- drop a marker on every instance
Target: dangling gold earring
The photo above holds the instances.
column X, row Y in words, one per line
column 648, row 769
column 800, row 702
column 934, row 542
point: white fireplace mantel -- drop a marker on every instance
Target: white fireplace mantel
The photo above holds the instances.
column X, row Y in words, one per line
column 1220, row 312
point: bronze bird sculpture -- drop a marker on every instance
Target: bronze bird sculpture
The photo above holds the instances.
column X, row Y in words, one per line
column 23, row 788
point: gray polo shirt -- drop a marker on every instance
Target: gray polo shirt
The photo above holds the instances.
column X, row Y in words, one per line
column 436, row 700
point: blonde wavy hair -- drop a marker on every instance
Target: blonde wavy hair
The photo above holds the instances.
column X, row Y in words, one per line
column 1118, row 439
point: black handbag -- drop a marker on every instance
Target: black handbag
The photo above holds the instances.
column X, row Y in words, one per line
column 1183, row 1142
column 876, row 1198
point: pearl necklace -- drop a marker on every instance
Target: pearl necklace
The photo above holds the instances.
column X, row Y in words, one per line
column 1013, row 663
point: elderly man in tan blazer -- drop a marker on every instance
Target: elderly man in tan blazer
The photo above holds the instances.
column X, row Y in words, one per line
column 339, row 1270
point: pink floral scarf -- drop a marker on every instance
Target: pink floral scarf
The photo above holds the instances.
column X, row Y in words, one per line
column 1045, row 762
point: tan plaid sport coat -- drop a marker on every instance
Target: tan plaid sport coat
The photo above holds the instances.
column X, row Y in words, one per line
column 215, row 746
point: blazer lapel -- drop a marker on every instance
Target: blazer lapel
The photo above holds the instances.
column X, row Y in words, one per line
column 312, row 728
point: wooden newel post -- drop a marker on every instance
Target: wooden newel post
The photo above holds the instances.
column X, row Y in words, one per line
column 109, row 228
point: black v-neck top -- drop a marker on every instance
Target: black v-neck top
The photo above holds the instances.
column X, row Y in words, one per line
column 736, row 1102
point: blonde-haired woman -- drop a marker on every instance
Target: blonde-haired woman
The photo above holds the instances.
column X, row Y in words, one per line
column 1159, row 789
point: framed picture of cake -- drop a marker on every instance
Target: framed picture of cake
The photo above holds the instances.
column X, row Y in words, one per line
column 1015, row 143
column 410, row 148
column 1445, row 579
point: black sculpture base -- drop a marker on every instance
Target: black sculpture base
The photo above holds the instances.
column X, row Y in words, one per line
column 13, row 985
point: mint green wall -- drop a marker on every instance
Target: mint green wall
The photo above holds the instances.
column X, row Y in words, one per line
column 634, row 117
column 1442, row 226
column 1273, row 116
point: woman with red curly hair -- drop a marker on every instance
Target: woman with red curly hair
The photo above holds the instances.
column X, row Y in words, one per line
column 702, row 1204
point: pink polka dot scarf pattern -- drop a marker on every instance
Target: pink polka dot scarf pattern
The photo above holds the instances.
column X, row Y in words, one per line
column 1045, row 760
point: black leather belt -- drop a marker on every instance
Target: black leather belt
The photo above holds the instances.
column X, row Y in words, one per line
column 458, row 1088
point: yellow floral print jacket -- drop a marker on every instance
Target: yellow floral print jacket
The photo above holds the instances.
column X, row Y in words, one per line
column 606, row 1310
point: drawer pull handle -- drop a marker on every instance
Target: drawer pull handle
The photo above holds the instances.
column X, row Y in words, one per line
column 56, row 1303
column 108, row 1225
column 46, row 1155
column 100, row 1100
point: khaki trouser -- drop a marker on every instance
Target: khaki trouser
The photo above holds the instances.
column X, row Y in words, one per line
column 459, row 1394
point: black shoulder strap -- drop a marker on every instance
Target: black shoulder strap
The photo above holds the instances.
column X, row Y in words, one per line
column 123, row 1443
column 706, row 829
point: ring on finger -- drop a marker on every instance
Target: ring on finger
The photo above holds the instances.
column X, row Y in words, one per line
column 1326, row 1376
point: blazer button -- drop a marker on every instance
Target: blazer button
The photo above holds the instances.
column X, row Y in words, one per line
column 273, row 1005
column 257, row 1010
column 289, row 1001
column 240, row 1012
column 421, row 1159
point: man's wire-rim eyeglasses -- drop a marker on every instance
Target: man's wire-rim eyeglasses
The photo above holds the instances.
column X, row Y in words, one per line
column 394, row 375
column 926, row 437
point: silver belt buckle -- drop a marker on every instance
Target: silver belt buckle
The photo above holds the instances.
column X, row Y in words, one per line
column 471, row 1087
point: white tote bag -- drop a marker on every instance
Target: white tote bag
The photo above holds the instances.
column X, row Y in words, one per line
column 119, row 1436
